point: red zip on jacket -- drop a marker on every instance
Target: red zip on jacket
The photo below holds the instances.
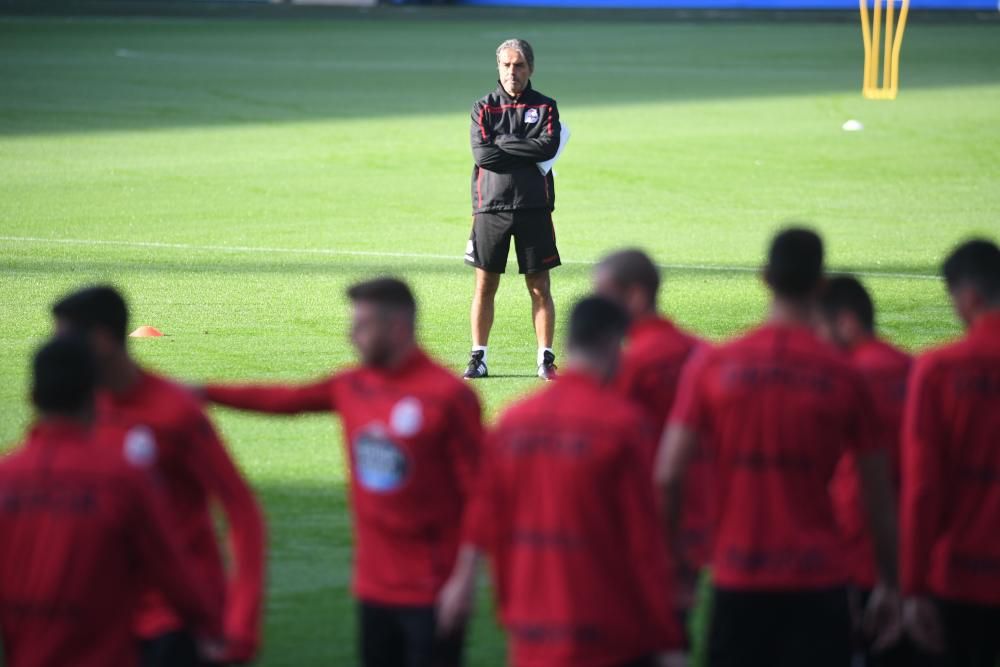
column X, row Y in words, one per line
column 80, row 531
column 950, row 513
column 170, row 434
column 413, row 437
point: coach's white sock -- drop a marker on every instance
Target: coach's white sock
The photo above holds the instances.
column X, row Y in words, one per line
column 541, row 354
column 480, row 348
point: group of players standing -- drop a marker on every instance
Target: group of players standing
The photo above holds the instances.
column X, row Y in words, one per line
column 774, row 460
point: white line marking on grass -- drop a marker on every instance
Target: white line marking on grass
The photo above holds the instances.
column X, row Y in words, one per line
column 388, row 254
column 226, row 248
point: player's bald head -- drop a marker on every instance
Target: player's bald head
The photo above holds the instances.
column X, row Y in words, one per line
column 631, row 268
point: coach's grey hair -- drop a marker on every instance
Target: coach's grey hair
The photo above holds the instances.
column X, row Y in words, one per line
column 521, row 47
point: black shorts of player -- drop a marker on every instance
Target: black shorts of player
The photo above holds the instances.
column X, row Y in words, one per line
column 173, row 649
column 398, row 636
column 780, row 629
column 534, row 241
column 971, row 636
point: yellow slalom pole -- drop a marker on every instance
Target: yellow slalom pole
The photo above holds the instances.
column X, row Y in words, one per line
column 876, row 44
column 897, row 45
column 890, row 7
column 866, row 39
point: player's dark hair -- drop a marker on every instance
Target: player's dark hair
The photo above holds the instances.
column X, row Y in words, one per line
column 386, row 292
column 630, row 267
column 97, row 307
column 65, row 376
column 842, row 293
column 976, row 263
column 795, row 263
column 595, row 322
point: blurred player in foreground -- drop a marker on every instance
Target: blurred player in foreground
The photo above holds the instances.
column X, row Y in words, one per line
column 166, row 430
column 413, row 434
column 847, row 319
column 566, row 512
column 650, row 371
column 951, row 475
column 81, row 532
column 780, row 408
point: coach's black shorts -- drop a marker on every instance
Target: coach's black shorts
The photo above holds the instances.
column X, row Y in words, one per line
column 779, row 629
column 400, row 636
column 534, row 241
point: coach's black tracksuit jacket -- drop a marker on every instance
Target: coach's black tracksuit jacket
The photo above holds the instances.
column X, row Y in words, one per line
column 508, row 137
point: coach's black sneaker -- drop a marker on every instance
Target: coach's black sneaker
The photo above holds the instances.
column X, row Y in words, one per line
column 477, row 366
column 547, row 369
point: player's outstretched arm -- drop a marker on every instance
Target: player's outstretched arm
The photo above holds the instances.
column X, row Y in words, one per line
column 275, row 399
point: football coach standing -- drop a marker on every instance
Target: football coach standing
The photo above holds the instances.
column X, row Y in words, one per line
column 513, row 129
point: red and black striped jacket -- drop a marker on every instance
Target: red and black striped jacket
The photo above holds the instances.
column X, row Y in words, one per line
column 509, row 136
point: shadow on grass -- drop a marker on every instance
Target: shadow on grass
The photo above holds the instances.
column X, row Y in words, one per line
column 349, row 266
column 148, row 73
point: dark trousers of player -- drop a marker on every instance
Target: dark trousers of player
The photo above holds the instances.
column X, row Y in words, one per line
column 900, row 654
column 971, row 633
column 780, row 629
column 393, row 636
column 173, row 649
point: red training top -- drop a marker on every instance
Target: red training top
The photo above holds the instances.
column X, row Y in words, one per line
column 80, row 530
column 950, row 511
column 885, row 369
column 780, row 408
column 165, row 428
column 566, row 512
column 413, row 437
column 650, row 371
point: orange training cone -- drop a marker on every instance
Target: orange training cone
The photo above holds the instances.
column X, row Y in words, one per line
column 146, row 332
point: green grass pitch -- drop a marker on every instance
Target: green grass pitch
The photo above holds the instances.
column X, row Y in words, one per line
column 234, row 176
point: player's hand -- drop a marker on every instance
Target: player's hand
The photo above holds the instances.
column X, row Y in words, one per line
column 672, row 659
column 454, row 604
column 213, row 650
column 922, row 621
column 883, row 618
column 238, row 652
